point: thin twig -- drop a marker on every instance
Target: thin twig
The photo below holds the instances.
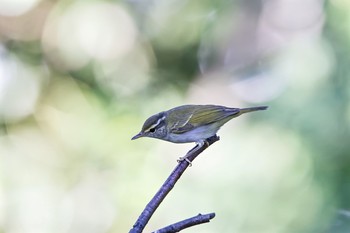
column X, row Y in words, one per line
column 168, row 185
column 196, row 220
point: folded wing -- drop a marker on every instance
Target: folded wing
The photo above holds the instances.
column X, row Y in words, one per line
column 196, row 116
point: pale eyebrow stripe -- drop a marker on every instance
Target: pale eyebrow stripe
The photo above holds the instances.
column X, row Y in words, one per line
column 156, row 124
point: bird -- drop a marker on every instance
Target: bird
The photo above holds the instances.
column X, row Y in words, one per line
column 190, row 123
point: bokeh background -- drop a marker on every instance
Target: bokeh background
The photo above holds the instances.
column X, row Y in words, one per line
column 78, row 79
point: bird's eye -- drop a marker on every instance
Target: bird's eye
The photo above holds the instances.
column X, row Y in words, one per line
column 152, row 130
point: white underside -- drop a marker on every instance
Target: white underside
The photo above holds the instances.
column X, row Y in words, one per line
column 196, row 135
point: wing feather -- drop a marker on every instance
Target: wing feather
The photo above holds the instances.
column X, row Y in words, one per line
column 191, row 116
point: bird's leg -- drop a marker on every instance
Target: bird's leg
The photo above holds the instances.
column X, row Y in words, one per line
column 198, row 145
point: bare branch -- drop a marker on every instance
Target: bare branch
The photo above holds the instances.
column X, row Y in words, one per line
column 168, row 185
column 196, row 220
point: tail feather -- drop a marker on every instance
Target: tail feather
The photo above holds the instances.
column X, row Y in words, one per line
column 252, row 109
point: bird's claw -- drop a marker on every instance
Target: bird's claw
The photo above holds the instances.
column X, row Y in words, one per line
column 186, row 159
column 197, row 147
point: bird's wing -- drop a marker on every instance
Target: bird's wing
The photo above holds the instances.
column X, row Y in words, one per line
column 194, row 116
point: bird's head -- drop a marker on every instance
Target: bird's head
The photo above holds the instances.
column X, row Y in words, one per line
column 154, row 127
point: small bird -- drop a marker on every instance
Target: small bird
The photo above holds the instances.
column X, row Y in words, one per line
column 190, row 123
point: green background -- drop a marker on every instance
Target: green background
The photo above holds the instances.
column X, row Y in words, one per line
column 78, row 79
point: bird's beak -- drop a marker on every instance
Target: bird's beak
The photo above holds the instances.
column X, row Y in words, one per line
column 137, row 136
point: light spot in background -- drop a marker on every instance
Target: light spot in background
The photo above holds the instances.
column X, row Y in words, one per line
column 260, row 88
column 124, row 77
column 343, row 4
column 103, row 30
column 88, row 30
column 177, row 24
column 27, row 26
column 212, row 88
column 279, row 25
column 19, row 88
column 306, row 64
column 340, row 9
column 16, row 7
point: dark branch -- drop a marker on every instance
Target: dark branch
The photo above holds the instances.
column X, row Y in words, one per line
column 168, row 185
column 196, row 220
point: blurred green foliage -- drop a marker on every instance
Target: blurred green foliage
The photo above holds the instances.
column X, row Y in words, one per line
column 78, row 78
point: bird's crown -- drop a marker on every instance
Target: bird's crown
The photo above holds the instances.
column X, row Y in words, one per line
column 153, row 122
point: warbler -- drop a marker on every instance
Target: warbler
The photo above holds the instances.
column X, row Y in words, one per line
column 190, row 123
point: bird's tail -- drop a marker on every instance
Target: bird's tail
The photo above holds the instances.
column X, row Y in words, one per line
column 252, row 109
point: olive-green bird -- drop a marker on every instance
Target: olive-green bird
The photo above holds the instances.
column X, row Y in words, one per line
column 190, row 123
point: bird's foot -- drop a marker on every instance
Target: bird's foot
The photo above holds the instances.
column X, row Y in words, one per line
column 186, row 159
